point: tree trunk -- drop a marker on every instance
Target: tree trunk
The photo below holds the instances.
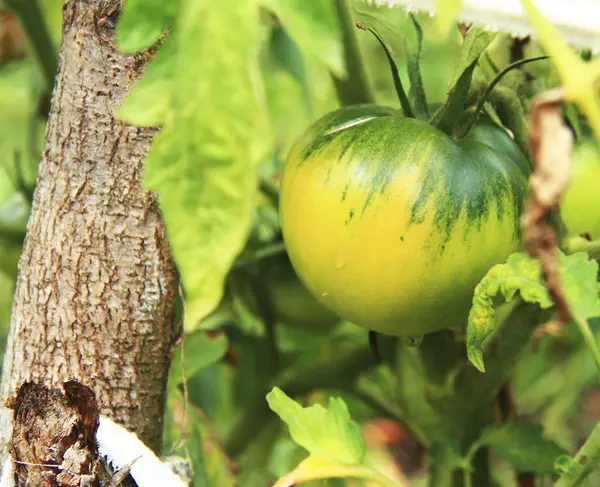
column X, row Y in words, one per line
column 97, row 284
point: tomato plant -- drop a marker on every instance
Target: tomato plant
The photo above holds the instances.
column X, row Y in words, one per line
column 432, row 215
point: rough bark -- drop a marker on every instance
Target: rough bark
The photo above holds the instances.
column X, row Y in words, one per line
column 96, row 289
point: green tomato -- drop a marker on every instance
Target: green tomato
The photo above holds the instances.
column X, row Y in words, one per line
column 391, row 224
column 580, row 203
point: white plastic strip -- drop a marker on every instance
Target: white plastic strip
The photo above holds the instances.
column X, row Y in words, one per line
column 577, row 20
column 8, row 473
column 121, row 447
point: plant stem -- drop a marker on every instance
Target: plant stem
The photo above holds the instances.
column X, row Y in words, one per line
column 443, row 468
column 295, row 382
column 37, row 32
column 493, row 84
column 572, row 245
column 588, row 337
column 370, row 395
column 585, row 461
column 402, row 98
column 270, row 189
column 260, row 254
column 509, row 109
column 354, row 89
column 501, row 354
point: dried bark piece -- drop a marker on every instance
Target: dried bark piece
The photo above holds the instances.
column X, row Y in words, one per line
column 53, row 442
column 551, row 143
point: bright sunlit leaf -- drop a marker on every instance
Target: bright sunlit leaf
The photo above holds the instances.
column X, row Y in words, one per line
column 328, row 434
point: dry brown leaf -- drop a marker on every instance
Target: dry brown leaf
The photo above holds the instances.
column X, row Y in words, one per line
column 551, row 143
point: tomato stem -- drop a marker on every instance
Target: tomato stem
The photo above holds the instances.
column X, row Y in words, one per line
column 354, row 88
column 265, row 252
column 492, row 85
column 572, row 245
column 404, row 103
column 584, row 463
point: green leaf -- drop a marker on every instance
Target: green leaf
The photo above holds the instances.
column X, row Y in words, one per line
column 314, row 26
column 141, row 22
column 203, row 163
column 523, row 445
column 199, row 351
column 150, row 99
column 327, row 434
column 476, row 41
column 413, row 44
column 522, row 274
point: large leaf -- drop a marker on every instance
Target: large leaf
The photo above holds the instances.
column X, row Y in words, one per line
column 327, row 434
column 522, row 274
column 141, row 22
column 523, row 445
column 203, row 162
column 150, row 99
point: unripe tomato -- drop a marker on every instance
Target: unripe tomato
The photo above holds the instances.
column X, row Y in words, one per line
column 391, row 224
column 580, row 203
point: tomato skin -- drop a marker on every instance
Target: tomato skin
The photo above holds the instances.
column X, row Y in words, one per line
column 391, row 224
column 581, row 199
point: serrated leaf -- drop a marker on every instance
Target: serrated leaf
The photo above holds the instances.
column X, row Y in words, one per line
column 150, row 99
column 200, row 351
column 327, row 434
column 203, row 162
column 522, row 274
column 141, row 22
column 476, row 41
column 315, row 27
column 523, row 445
